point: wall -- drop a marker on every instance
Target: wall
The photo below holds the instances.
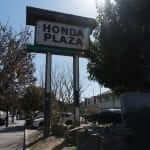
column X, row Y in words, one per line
column 106, row 100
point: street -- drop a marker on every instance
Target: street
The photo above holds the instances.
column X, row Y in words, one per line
column 11, row 138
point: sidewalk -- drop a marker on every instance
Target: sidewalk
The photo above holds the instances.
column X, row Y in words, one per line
column 11, row 138
column 35, row 141
column 32, row 136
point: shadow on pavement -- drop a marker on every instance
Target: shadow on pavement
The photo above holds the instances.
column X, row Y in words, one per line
column 12, row 129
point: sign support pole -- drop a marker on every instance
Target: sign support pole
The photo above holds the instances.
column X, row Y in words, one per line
column 76, row 90
column 47, row 102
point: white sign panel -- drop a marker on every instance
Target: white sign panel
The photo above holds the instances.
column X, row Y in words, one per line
column 62, row 35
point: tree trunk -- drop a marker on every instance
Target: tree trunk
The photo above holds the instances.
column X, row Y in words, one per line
column 12, row 118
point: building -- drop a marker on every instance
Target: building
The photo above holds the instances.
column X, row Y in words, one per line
column 104, row 101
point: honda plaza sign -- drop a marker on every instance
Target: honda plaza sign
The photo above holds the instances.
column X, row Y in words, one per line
column 62, row 35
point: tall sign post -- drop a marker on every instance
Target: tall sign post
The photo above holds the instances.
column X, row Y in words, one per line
column 59, row 34
column 76, row 90
column 48, row 100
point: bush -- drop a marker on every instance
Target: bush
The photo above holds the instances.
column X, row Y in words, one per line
column 139, row 121
column 59, row 130
column 68, row 122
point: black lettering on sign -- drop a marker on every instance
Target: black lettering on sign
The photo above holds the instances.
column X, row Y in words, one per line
column 80, row 33
column 55, row 40
column 72, row 32
column 46, row 28
column 63, row 39
column 71, row 40
column 64, row 31
column 47, row 36
column 79, row 42
column 55, row 29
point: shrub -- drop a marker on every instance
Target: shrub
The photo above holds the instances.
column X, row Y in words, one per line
column 139, row 121
column 58, row 130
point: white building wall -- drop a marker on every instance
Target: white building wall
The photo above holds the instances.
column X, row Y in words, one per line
column 104, row 101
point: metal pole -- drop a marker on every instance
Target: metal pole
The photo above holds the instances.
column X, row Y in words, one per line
column 76, row 90
column 47, row 104
column 24, row 137
column 100, row 98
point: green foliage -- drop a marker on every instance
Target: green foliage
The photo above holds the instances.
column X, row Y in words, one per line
column 32, row 101
column 119, row 55
column 139, row 121
column 59, row 130
column 16, row 66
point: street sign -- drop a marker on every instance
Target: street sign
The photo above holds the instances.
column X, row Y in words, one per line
column 56, row 51
column 56, row 30
column 62, row 35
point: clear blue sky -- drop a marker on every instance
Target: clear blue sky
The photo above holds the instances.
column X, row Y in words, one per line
column 13, row 12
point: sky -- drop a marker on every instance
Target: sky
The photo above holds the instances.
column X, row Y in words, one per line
column 13, row 12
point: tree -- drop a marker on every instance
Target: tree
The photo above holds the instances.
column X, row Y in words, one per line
column 32, row 101
column 16, row 66
column 119, row 57
column 62, row 86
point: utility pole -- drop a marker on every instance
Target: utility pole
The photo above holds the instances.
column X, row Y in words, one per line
column 76, row 90
column 47, row 102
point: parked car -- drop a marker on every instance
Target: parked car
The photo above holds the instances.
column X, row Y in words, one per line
column 106, row 116
column 38, row 121
column 66, row 118
column 2, row 121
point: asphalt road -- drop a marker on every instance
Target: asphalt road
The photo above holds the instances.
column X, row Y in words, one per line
column 12, row 137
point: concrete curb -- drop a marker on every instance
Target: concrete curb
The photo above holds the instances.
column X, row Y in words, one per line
column 26, row 140
column 31, row 137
